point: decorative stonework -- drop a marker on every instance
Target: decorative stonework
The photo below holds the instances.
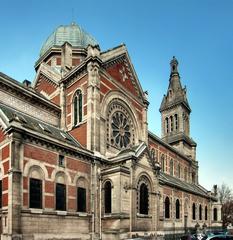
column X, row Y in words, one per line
column 120, row 128
column 121, row 133
column 28, row 108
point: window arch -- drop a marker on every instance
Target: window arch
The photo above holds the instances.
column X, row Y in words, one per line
column 176, row 122
column 194, row 211
column 81, row 195
column 185, row 173
column 171, row 167
column 107, row 197
column 144, row 199
column 167, row 207
column 35, row 187
column 77, row 107
column 206, row 213
column 178, row 170
column 153, row 153
column 163, row 162
column 167, row 125
column 177, row 209
column 200, row 212
column 215, row 214
column 171, row 123
column 60, row 192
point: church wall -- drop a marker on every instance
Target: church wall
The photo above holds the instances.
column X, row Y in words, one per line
column 45, row 85
column 69, row 223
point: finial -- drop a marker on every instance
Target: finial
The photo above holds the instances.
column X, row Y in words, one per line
column 174, row 64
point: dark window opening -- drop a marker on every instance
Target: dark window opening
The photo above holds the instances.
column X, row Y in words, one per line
column 167, row 125
column 177, row 209
column 200, row 212
column 206, row 213
column 176, row 121
column 61, row 161
column 78, row 107
column 81, row 199
column 108, row 197
column 215, row 214
column 35, row 189
column 171, row 119
column 171, row 167
column 144, row 199
column 162, row 163
column 167, row 207
column 60, row 197
column 194, row 211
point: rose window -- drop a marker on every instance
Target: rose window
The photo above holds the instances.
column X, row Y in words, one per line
column 120, row 130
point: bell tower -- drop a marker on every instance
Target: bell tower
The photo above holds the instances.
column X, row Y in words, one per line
column 175, row 115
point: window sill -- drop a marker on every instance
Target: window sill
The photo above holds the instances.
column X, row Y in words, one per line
column 82, row 214
column 36, row 210
column 139, row 215
column 61, row 213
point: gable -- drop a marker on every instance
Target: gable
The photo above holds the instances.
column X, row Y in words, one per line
column 118, row 66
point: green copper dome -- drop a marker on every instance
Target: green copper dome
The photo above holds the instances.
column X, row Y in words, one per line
column 72, row 34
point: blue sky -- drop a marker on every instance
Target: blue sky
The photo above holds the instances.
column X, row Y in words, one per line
column 198, row 33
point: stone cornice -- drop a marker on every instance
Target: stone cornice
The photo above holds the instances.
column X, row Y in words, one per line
column 51, row 143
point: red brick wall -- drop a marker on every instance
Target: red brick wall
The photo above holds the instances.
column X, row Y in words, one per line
column 114, row 71
column 45, row 86
column 56, row 100
column 49, row 160
column 80, row 133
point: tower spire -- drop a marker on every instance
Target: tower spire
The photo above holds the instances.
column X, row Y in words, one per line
column 175, row 111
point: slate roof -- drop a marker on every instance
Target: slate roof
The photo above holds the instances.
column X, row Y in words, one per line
column 27, row 123
column 166, row 179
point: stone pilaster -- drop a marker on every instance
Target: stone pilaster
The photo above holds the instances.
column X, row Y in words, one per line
column 93, row 100
column 15, row 188
column 63, row 106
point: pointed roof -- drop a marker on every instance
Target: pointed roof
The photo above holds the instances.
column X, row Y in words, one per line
column 176, row 94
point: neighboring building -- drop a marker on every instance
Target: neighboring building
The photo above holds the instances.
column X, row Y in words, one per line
column 77, row 159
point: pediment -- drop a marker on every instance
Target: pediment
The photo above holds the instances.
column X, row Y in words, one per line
column 119, row 67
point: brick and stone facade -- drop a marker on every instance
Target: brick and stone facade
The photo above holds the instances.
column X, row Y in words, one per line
column 81, row 126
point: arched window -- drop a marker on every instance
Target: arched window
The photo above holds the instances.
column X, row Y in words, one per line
column 81, row 195
column 35, row 188
column 108, row 197
column 178, row 170
column 206, row 213
column 200, row 212
column 171, row 167
column 194, row 211
column 153, row 153
column 144, row 199
column 163, row 163
column 215, row 214
column 60, row 192
column 176, row 122
column 167, row 125
column 77, row 107
column 177, row 209
column 171, row 122
column 193, row 177
column 185, row 174
column 167, row 207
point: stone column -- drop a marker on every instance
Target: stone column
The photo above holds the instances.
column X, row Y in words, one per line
column 15, row 188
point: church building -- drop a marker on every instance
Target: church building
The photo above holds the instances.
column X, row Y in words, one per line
column 77, row 160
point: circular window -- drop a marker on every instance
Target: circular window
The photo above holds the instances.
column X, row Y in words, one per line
column 121, row 134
